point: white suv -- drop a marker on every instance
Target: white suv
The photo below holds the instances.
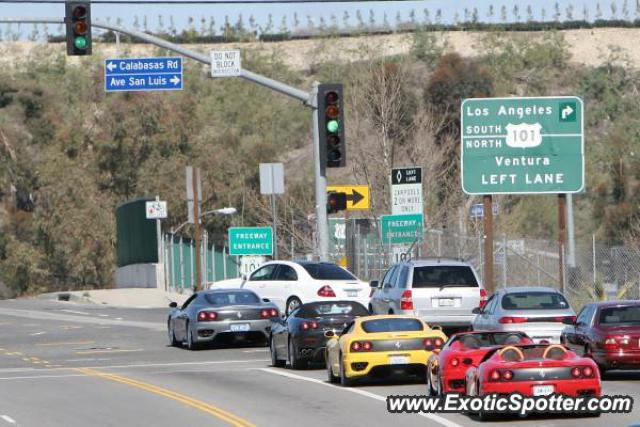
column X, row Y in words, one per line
column 440, row 291
column 289, row 284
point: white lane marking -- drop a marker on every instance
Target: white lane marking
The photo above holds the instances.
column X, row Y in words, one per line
column 118, row 318
column 38, row 377
column 76, row 312
column 262, row 350
column 10, row 370
column 37, row 333
column 143, row 365
column 88, row 359
column 436, row 418
column 103, row 315
column 8, row 419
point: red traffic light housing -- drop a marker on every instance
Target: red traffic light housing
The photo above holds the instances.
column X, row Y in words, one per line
column 331, row 125
column 336, row 202
column 78, row 23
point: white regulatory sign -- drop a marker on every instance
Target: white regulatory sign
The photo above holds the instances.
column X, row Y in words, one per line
column 406, row 191
column 156, row 210
column 225, row 63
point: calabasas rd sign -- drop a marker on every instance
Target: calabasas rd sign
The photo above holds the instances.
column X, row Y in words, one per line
column 522, row 145
column 142, row 74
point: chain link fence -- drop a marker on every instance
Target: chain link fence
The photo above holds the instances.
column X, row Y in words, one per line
column 592, row 272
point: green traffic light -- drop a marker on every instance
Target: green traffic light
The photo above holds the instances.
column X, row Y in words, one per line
column 80, row 42
column 333, row 126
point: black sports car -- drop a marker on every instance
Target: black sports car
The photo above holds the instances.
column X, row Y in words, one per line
column 220, row 312
column 300, row 338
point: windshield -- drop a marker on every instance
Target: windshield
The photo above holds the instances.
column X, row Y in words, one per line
column 328, row 309
column 489, row 339
column 620, row 315
column 534, row 301
column 443, row 275
column 328, row 272
column 232, row 298
column 392, row 325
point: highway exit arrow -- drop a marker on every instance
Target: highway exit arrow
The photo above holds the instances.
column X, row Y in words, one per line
column 355, row 197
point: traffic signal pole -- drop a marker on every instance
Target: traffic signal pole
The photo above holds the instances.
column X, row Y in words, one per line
column 308, row 99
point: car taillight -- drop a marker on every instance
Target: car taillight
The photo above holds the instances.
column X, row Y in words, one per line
column 611, row 343
column 361, row 346
column 205, row 316
column 306, row 325
column 562, row 319
column 511, row 319
column 483, row 298
column 406, row 303
column 268, row 313
column 326, row 292
column 433, row 344
column 501, row 375
column 585, row 371
column 454, row 362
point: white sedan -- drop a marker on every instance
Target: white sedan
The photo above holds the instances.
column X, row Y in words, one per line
column 289, row 284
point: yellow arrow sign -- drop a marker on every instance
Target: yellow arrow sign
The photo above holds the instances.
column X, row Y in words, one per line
column 357, row 195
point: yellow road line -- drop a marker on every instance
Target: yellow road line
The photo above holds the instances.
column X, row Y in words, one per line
column 106, row 351
column 178, row 397
column 46, row 344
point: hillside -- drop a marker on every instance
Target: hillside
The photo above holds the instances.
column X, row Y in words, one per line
column 69, row 153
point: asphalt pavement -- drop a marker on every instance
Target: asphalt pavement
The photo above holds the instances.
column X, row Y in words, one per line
column 73, row 364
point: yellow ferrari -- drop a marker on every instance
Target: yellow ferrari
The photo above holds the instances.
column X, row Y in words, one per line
column 380, row 346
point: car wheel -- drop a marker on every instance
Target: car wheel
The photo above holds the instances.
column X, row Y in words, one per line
column 430, row 390
column 294, row 360
column 344, row 380
column 390, row 312
column 370, row 309
column 292, row 304
column 191, row 344
column 332, row 378
column 274, row 355
column 172, row 335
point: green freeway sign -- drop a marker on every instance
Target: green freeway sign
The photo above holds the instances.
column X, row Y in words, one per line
column 250, row 241
column 522, row 145
column 401, row 228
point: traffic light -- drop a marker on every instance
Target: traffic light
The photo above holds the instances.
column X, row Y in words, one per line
column 78, row 20
column 331, row 125
column 336, row 202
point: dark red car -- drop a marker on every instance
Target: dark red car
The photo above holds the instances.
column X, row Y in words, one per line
column 446, row 370
column 608, row 332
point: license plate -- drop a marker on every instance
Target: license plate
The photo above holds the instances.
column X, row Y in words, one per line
column 240, row 327
column 543, row 390
column 398, row 360
column 446, row 302
column 352, row 294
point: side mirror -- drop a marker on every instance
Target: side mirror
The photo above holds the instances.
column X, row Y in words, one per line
column 266, row 300
column 476, row 310
column 329, row 334
column 374, row 284
column 173, row 304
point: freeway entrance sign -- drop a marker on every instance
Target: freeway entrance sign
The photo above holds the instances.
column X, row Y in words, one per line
column 401, row 228
column 250, row 241
column 522, row 145
column 142, row 74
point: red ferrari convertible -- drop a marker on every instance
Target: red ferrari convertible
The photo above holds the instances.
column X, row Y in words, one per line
column 534, row 370
column 446, row 370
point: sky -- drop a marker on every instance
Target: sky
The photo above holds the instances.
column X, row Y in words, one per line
column 181, row 13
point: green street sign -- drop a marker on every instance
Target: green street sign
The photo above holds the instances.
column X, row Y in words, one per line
column 522, row 145
column 250, row 241
column 401, row 228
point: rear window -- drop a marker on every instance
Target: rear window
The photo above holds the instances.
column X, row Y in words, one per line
column 232, row 298
column 534, row 301
column 437, row 276
column 620, row 315
column 328, row 309
column 392, row 325
column 489, row 339
column 328, row 272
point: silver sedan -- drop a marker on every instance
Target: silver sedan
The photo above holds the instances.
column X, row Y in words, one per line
column 236, row 313
column 540, row 312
